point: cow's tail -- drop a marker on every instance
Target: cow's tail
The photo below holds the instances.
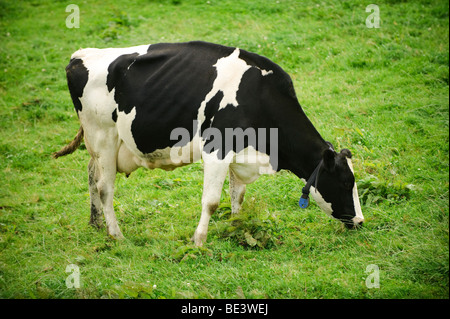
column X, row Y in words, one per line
column 72, row 146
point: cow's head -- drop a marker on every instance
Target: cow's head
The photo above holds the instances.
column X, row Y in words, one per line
column 335, row 189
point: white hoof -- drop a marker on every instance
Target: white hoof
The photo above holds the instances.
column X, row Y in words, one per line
column 199, row 239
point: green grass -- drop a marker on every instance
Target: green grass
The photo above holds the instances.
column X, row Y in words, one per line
column 383, row 93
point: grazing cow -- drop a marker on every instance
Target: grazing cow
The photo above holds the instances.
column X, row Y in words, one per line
column 235, row 110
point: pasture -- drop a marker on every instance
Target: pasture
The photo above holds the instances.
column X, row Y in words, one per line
column 381, row 92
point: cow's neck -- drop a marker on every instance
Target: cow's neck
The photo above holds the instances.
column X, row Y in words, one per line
column 301, row 146
column 306, row 158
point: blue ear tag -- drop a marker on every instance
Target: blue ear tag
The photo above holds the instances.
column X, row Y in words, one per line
column 303, row 202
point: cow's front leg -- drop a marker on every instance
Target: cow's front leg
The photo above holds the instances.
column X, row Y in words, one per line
column 237, row 192
column 215, row 172
column 96, row 204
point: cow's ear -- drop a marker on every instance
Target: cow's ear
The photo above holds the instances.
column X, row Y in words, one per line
column 329, row 160
column 346, row 153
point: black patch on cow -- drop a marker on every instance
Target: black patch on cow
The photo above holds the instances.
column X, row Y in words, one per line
column 211, row 109
column 117, row 71
column 114, row 115
column 77, row 77
column 167, row 86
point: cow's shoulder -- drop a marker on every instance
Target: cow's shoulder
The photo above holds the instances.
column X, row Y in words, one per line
column 278, row 79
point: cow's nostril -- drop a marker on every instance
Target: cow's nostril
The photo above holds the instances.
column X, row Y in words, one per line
column 359, row 224
column 353, row 224
column 349, row 225
column 358, row 221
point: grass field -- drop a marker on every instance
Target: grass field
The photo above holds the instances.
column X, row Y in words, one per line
column 381, row 92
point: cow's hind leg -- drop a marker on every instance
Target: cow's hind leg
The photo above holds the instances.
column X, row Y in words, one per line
column 237, row 192
column 108, row 169
column 103, row 148
column 96, row 204
column 215, row 173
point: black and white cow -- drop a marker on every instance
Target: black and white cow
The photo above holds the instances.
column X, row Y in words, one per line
column 235, row 110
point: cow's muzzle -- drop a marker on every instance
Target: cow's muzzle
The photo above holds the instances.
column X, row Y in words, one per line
column 354, row 223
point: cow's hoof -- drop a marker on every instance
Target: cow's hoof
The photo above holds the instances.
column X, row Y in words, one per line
column 199, row 239
column 116, row 236
column 96, row 223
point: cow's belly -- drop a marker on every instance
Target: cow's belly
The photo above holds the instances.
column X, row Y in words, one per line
column 167, row 159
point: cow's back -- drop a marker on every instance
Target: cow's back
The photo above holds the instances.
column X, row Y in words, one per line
column 148, row 91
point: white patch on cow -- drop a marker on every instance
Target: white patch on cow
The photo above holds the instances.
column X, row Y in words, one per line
column 358, row 212
column 324, row 205
column 264, row 72
column 230, row 70
column 123, row 124
column 249, row 164
column 214, row 158
column 106, row 54
column 126, row 160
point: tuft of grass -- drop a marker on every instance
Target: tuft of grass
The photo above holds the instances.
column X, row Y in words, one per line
column 373, row 191
column 253, row 227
